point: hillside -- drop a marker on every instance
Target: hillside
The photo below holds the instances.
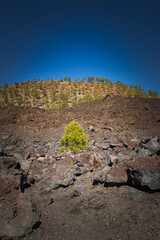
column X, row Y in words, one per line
column 104, row 192
column 52, row 94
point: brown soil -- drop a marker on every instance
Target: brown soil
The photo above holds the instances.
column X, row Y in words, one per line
column 132, row 116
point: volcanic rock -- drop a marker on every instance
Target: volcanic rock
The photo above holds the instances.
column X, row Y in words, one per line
column 145, row 172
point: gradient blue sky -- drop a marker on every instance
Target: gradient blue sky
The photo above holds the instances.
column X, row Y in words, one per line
column 115, row 39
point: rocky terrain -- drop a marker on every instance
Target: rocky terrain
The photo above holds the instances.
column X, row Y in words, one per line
column 109, row 191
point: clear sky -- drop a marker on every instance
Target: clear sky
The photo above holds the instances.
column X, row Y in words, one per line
column 115, row 39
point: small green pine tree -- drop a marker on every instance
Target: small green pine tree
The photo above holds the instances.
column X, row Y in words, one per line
column 74, row 138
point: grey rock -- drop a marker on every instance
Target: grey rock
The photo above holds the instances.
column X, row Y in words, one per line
column 142, row 152
column 134, row 139
column 113, row 159
column 91, row 143
column 37, row 155
column 45, row 187
column 92, row 129
column 99, row 176
column 149, row 179
column 79, row 189
column 132, row 154
column 62, row 177
column 30, row 177
column 68, row 179
column 49, row 146
column 105, row 146
column 41, row 159
column 98, row 154
column 9, row 148
column 106, row 162
column 26, row 155
column 43, row 174
column 116, row 144
column 18, row 156
column 108, row 128
column 145, row 140
column 37, row 141
column 52, row 147
column 35, row 145
column 25, row 165
column 153, row 146
column 106, row 138
column 51, row 160
column 98, row 145
column 121, row 156
column 12, row 174
column 58, row 157
column 125, row 143
column 80, row 171
column 21, row 224
column 22, row 145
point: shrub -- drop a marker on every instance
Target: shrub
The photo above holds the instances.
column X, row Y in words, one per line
column 153, row 93
column 74, row 138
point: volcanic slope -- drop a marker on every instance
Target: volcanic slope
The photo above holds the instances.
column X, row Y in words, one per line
column 42, row 196
column 133, row 115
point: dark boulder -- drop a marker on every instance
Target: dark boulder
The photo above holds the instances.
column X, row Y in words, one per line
column 153, row 146
column 145, row 172
column 23, row 221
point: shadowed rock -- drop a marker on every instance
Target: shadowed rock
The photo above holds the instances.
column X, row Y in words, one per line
column 145, row 172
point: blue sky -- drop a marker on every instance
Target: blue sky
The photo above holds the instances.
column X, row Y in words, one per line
column 118, row 39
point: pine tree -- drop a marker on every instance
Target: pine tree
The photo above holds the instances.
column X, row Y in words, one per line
column 74, row 138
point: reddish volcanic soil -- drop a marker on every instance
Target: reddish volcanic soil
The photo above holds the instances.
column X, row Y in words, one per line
column 33, row 172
